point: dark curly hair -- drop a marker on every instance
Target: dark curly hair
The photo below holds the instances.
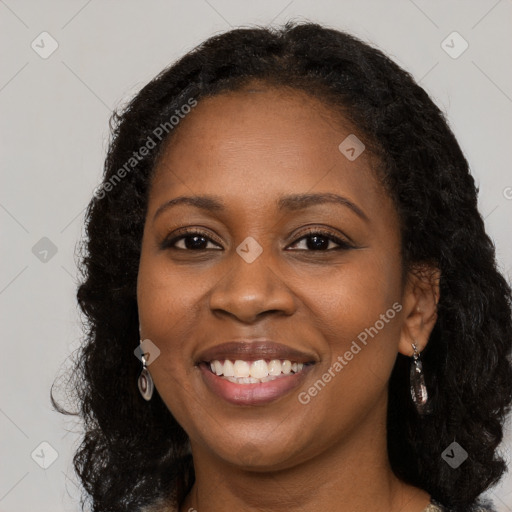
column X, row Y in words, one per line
column 132, row 450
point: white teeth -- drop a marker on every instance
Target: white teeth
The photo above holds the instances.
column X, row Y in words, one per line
column 247, row 372
column 242, row 368
column 243, row 380
column 259, row 369
column 286, row 367
column 229, row 369
column 217, row 367
column 274, row 367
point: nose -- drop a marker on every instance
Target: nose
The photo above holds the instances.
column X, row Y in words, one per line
column 250, row 290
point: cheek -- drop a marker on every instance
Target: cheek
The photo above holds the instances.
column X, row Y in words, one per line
column 167, row 294
column 358, row 312
column 165, row 304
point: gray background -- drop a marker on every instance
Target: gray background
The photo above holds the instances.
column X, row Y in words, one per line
column 54, row 127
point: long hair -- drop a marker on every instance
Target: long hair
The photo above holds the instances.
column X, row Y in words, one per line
column 422, row 168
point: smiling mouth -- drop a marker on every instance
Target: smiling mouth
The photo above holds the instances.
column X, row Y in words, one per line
column 240, row 371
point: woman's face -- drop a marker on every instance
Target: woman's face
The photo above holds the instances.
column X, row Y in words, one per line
column 298, row 257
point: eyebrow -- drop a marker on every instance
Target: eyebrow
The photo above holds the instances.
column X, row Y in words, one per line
column 292, row 202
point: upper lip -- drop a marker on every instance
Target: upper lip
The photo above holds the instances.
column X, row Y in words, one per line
column 254, row 350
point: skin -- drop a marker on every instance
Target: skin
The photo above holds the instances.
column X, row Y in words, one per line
column 249, row 148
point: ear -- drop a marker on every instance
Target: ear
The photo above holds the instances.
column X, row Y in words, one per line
column 420, row 299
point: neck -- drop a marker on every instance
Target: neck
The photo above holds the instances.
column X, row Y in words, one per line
column 353, row 476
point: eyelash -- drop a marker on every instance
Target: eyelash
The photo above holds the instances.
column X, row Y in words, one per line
column 343, row 244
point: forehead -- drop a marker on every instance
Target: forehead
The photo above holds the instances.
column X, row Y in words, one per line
column 259, row 141
column 277, row 117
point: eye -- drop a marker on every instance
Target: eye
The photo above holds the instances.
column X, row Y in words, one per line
column 196, row 240
column 190, row 240
column 321, row 240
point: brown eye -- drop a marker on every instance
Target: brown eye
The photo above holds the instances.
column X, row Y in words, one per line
column 190, row 240
column 320, row 241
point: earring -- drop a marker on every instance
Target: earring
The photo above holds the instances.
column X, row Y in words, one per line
column 145, row 382
column 417, row 382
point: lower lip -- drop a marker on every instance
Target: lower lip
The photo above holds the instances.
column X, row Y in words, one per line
column 253, row 394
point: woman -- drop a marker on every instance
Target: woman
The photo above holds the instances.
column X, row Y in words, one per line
column 287, row 238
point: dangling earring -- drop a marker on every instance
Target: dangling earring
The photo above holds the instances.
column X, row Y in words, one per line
column 145, row 382
column 418, row 387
